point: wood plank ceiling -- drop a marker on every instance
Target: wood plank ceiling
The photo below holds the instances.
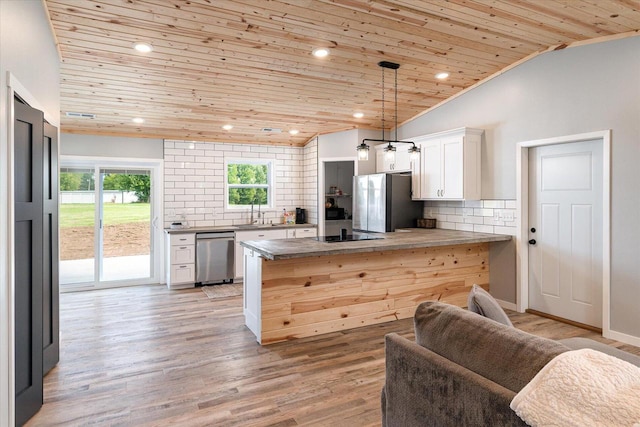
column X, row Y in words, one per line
column 248, row 63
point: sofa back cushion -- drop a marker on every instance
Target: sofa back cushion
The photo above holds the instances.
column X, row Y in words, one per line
column 502, row 354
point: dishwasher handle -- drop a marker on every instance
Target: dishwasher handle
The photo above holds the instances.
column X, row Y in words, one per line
column 221, row 235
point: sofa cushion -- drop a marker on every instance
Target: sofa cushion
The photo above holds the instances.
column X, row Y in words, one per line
column 503, row 354
column 481, row 302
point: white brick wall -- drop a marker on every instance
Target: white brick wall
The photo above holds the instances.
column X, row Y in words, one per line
column 194, row 181
column 483, row 216
column 310, row 173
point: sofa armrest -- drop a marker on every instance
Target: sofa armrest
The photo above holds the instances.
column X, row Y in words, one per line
column 423, row 388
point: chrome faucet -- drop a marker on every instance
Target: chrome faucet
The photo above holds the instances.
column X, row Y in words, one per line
column 251, row 220
column 259, row 214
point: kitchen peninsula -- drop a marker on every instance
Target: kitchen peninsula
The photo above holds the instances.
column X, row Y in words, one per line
column 306, row 287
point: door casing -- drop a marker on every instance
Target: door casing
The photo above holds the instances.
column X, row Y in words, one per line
column 522, row 202
column 7, row 258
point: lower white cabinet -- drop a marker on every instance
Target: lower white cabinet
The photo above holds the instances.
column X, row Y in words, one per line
column 181, row 260
column 280, row 233
column 299, row 233
column 242, row 236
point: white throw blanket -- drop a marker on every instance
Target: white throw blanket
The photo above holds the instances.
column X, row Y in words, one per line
column 582, row 388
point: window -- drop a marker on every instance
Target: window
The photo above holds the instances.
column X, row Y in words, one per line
column 247, row 182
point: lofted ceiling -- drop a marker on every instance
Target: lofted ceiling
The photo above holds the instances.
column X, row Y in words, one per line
column 248, row 63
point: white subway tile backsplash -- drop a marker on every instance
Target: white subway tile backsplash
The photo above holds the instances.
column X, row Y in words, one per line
column 482, row 212
column 482, row 216
column 474, row 219
column 455, row 218
column 483, row 228
column 495, row 204
column 473, row 203
column 492, row 221
column 194, row 180
column 464, row 227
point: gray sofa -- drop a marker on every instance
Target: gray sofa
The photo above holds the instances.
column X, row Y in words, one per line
column 464, row 369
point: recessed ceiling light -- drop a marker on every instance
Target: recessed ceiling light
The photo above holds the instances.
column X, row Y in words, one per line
column 138, row 120
column 227, row 127
column 142, row 47
column 320, row 52
column 358, row 115
column 442, row 75
column 294, row 131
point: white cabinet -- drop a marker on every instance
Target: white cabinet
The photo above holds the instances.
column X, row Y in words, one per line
column 181, row 260
column 402, row 162
column 449, row 166
column 242, row 236
column 299, row 233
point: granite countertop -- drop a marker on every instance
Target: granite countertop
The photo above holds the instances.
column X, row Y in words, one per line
column 401, row 239
column 244, row 227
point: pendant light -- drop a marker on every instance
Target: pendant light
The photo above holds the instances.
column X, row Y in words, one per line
column 389, row 150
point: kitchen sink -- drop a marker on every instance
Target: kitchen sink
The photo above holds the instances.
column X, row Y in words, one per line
column 253, row 225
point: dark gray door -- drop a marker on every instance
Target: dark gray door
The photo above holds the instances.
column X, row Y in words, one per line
column 28, row 194
column 50, row 284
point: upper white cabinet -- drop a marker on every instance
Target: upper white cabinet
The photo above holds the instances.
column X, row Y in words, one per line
column 449, row 166
column 402, row 162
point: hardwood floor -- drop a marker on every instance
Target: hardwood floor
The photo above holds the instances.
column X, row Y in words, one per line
column 149, row 356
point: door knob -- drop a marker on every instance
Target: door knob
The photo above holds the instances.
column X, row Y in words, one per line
column 532, row 241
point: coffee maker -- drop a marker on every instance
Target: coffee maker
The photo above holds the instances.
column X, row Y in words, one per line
column 301, row 216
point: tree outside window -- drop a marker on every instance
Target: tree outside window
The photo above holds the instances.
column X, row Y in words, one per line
column 248, row 183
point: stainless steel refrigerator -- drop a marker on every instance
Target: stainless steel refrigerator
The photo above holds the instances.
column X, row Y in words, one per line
column 382, row 203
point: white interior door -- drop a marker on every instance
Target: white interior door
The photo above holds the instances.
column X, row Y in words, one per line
column 565, row 231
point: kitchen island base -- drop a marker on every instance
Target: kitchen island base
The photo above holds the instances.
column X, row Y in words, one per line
column 299, row 297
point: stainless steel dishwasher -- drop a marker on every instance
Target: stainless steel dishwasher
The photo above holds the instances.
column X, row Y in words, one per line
column 214, row 257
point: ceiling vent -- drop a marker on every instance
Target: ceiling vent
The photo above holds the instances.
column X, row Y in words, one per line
column 271, row 130
column 80, row 115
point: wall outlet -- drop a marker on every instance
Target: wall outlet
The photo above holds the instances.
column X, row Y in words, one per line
column 508, row 216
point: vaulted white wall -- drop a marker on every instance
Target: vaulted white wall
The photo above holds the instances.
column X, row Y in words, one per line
column 576, row 90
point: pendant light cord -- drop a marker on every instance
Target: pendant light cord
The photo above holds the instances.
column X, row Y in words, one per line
column 382, row 102
column 396, row 90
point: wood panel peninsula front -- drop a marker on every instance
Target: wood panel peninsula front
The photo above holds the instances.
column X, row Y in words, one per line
column 304, row 287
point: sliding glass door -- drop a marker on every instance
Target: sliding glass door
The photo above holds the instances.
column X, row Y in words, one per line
column 126, row 224
column 106, row 226
column 77, row 215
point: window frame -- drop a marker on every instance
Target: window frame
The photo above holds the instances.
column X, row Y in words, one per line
column 270, row 185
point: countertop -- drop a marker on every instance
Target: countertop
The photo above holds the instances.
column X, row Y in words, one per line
column 245, row 227
column 410, row 238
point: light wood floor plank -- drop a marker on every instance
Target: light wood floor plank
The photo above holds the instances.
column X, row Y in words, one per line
column 147, row 356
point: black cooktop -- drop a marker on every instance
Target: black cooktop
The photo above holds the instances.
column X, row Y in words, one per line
column 349, row 238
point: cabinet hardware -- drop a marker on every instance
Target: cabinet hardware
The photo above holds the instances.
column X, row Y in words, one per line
column 532, row 241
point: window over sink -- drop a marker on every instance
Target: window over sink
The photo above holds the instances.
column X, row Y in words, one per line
column 249, row 182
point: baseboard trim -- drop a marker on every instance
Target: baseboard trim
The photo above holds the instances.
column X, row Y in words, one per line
column 563, row 320
column 622, row 337
column 507, row 305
